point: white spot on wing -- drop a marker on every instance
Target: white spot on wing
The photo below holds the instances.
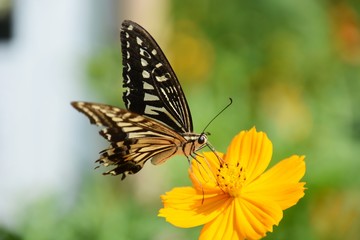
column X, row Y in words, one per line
column 130, row 27
column 127, row 35
column 127, row 103
column 126, row 115
column 162, row 78
column 139, row 41
column 123, row 124
column 131, row 129
column 144, row 63
column 150, row 97
column 127, row 55
column 137, row 119
column 144, row 53
column 154, row 52
column 126, row 79
column 145, row 74
column 117, row 119
column 158, row 65
column 150, row 110
column 147, row 86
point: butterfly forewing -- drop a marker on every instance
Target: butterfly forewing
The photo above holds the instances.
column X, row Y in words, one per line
column 152, row 88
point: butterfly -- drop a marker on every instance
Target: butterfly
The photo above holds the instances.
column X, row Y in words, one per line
column 156, row 123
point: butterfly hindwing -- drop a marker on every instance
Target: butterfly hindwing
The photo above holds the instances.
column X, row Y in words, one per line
column 152, row 88
column 134, row 138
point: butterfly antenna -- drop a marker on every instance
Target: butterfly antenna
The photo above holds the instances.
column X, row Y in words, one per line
column 218, row 114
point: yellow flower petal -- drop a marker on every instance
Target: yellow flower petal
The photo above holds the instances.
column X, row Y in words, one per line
column 243, row 220
column 256, row 217
column 222, row 226
column 280, row 183
column 185, row 207
column 252, row 150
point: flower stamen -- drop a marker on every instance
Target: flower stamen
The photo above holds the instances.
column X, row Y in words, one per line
column 231, row 178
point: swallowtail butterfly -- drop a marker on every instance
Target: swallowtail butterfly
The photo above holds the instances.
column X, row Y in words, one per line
column 157, row 123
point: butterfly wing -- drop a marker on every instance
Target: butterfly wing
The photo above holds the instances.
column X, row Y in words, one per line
column 134, row 138
column 152, row 88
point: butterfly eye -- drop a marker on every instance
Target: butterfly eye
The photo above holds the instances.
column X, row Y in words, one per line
column 202, row 139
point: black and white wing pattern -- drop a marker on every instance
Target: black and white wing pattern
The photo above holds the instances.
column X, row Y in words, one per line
column 157, row 123
column 152, row 86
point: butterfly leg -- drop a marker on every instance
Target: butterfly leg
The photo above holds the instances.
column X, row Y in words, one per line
column 214, row 151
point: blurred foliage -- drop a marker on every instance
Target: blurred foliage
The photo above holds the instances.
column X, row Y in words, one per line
column 293, row 71
column 6, row 234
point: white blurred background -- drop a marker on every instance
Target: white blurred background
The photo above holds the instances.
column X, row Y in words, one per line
column 44, row 49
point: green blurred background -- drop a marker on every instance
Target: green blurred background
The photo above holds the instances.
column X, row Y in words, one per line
column 292, row 69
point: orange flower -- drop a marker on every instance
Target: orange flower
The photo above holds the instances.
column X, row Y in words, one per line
column 234, row 197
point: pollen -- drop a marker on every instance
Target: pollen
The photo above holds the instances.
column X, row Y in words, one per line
column 231, row 178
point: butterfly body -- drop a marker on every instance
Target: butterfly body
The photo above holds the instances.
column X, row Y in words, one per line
column 157, row 123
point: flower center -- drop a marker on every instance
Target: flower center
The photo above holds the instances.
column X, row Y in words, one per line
column 231, row 178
